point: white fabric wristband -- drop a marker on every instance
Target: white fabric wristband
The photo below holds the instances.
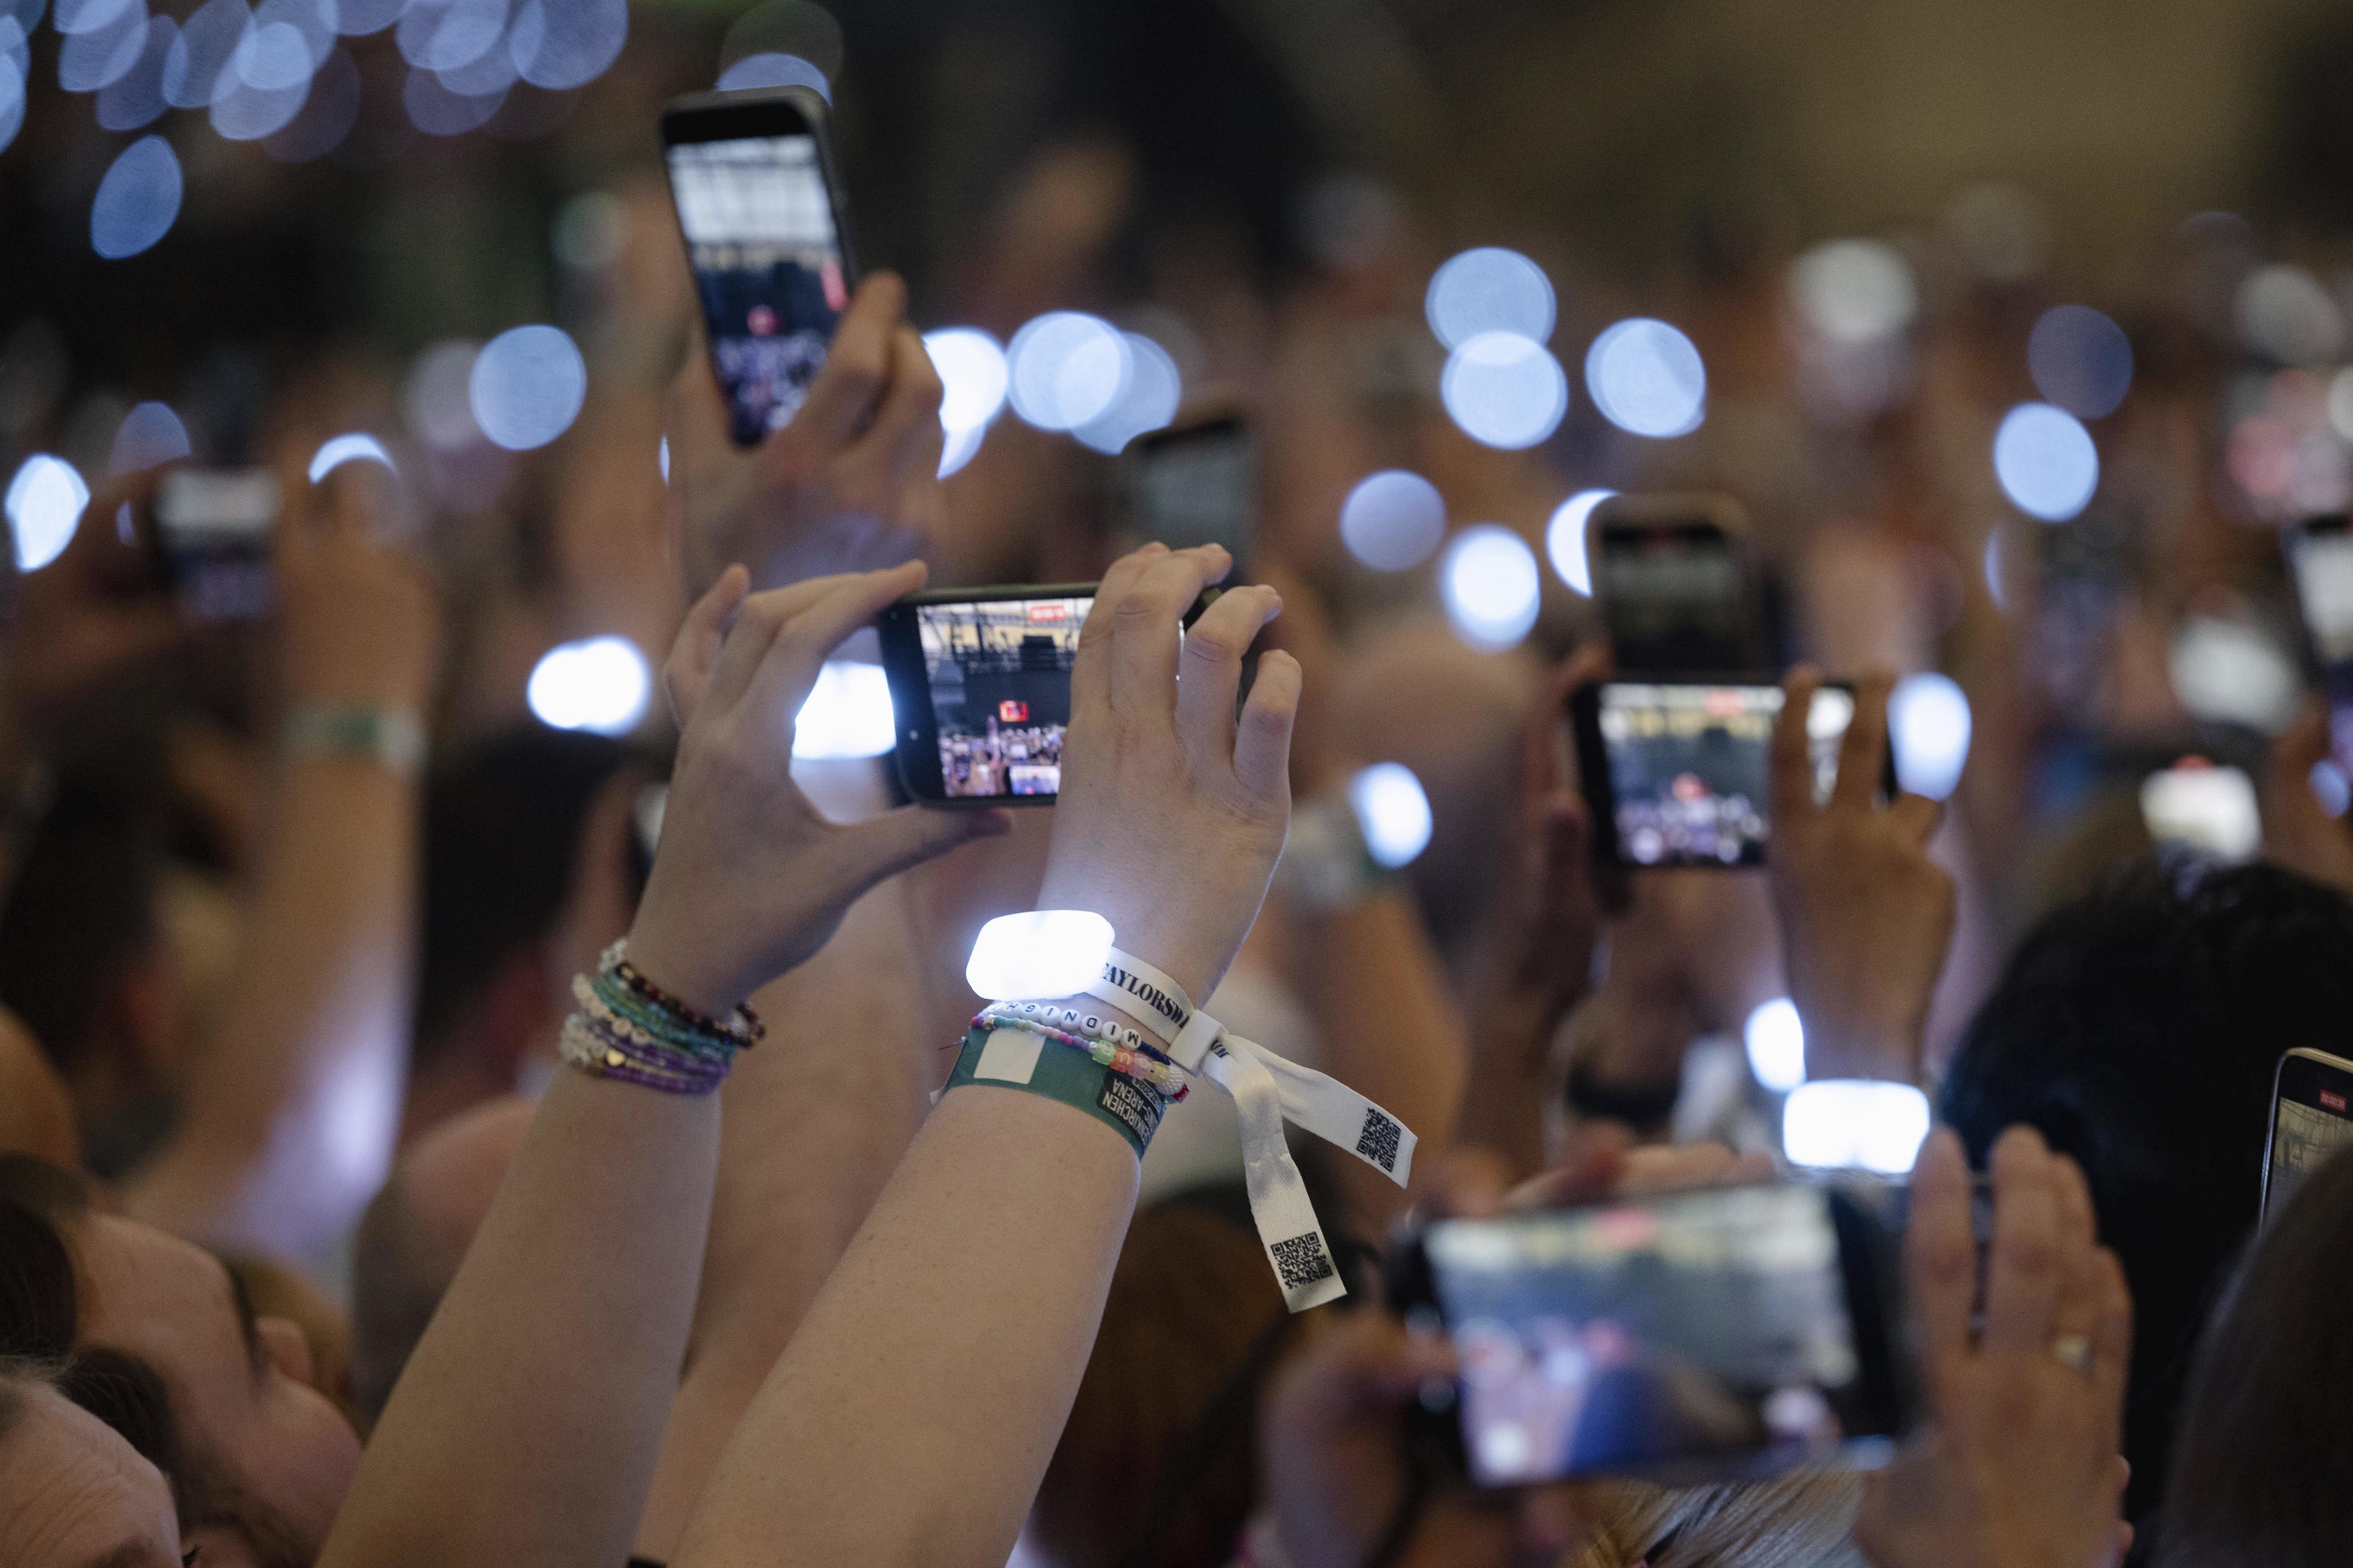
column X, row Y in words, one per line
column 1267, row 1091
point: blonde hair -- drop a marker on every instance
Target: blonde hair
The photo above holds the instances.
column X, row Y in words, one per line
column 1801, row 1521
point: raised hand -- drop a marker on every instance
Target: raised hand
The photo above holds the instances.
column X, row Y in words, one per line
column 749, row 879
column 1173, row 810
column 852, row 482
column 1866, row 915
column 2018, row 1466
column 358, row 621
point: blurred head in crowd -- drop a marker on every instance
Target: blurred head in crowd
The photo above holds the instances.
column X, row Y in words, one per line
column 81, row 958
column 1156, row 1471
column 2138, row 1029
column 416, row 1233
column 532, row 866
column 159, row 1339
column 73, row 1491
column 2254, row 1476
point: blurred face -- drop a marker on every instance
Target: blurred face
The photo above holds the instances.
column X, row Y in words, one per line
column 73, row 1494
column 240, row 1385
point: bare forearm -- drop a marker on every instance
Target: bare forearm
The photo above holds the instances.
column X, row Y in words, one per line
column 1390, row 1026
column 813, row 1132
column 288, row 1118
column 913, row 1416
column 525, row 1427
column 1509, row 1079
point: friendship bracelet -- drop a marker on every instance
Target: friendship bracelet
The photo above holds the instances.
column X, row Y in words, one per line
column 743, row 1026
column 1015, row 1059
column 631, row 1016
column 585, row 1046
column 1136, row 1061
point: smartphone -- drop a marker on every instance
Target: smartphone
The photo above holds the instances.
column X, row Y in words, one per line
column 2312, row 1117
column 1680, row 772
column 1730, row 1334
column 211, row 540
column 980, row 681
column 768, row 240
column 1195, row 483
column 1679, row 586
column 2320, row 559
column 2199, row 806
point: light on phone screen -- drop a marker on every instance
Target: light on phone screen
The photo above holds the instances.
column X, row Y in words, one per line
column 999, row 673
column 767, row 268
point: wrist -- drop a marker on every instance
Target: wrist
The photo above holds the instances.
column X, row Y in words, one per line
column 392, row 736
column 671, row 957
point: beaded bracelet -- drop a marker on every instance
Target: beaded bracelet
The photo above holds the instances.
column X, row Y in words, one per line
column 743, row 1025
column 585, row 1044
column 631, row 1030
column 1163, row 1076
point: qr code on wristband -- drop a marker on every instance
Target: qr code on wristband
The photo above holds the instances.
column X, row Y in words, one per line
column 1302, row 1260
column 1378, row 1141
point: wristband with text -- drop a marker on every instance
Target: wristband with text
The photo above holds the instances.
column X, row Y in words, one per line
column 1267, row 1091
column 1009, row 1058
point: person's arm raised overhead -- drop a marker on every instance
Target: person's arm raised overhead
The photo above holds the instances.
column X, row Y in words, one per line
column 2019, row 1465
column 1543, row 959
column 913, row 1414
column 1865, row 915
column 524, row 1428
column 287, row 1127
column 853, row 482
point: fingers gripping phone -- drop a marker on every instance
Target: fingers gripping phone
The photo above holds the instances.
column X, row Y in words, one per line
column 2312, row 1117
column 1728, row 1334
column 768, row 239
column 212, row 538
column 1679, row 586
column 1679, row 773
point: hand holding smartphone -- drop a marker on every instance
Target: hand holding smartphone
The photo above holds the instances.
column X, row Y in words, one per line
column 212, row 541
column 1679, row 772
column 1727, row 1334
column 768, row 239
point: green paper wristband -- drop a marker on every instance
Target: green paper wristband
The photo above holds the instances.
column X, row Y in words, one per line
column 1012, row 1059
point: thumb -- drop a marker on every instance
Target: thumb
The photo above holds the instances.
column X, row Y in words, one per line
column 883, row 846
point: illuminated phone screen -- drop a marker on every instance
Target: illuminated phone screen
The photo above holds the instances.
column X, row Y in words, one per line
column 1633, row 1336
column 2311, row 1118
column 1690, row 765
column 1000, row 674
column 768, row 269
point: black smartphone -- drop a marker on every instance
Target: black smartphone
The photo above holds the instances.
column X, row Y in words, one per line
column 768, row 240
column 1730, row 1334
column 1195, row 483
column 980, row 686
column 1680, row 772
column 2312, row 1117
column 1679, row 586
column 2320, row 559
column 211, row 540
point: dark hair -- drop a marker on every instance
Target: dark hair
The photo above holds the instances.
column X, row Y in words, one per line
column 2138, row 1028
column 41, row 1313
column 1156, row 1463
column 40, row 1321
column 502, row 822
column 82, row 901
column 2257, row 1463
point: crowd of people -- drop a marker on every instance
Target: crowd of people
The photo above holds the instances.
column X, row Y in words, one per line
column 429, row 1135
